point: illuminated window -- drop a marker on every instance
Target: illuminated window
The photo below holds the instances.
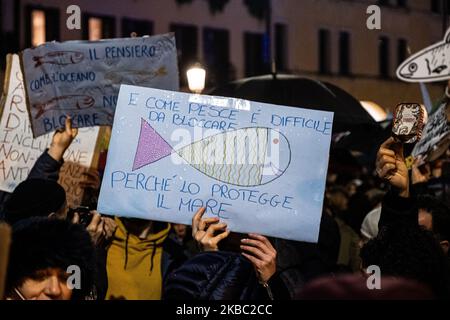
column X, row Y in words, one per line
column 95, row 28
column 37, row 27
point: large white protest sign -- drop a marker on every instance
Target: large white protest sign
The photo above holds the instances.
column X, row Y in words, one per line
column 259, row 167
column 435, row 137
column 428, row 65
column 19, row 151
column 82, row 78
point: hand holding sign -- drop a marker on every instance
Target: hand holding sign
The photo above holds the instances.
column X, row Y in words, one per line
column 204, row 231
column 62, row 139
column 391, row 166
column 261, row 254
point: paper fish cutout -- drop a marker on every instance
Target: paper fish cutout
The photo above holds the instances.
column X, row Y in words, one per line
column 239, row 157
column 428, row 65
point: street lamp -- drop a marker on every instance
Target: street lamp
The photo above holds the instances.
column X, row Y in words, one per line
column 196, row 76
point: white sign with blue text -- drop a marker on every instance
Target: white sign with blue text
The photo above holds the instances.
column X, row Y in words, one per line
column 259, row 167
column 82, row 78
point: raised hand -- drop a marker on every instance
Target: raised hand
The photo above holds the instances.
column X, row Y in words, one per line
column 261, row 254
column 62, row 139
column 208, row 232
column 391, row 166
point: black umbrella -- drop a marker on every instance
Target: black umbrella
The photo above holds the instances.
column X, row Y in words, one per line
column 302, row 92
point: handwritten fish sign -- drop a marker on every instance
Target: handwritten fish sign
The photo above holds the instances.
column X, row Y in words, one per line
column 19, row 151
column 259, row 167
column 428, row 65
column 82, row 78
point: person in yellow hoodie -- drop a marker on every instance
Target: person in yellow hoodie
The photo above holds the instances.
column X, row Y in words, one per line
column 139, row 258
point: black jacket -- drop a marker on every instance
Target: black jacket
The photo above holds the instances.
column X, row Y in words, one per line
column 220, row 275
column 45, row 167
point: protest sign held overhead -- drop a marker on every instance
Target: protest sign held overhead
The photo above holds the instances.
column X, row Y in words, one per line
column 436, row 136
column 428, row 65
column 259, row 167
column 19, row 151
column 82, row 78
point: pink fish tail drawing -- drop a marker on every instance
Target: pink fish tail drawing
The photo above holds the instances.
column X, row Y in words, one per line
column 160, row 147
column 241, row 157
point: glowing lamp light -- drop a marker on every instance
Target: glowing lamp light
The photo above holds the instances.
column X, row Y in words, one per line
column 375, row 111
column 196, row 78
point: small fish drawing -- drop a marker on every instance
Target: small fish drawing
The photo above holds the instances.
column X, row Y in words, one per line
column 428, row 65
column 242, row 157
column 61, row 58
column 135, row 77
column 69, row 102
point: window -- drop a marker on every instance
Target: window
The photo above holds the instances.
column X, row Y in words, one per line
column 96, row 27
column 140, row 27
column 402, row 51
column 37, row 27
column 42, row 25
column 344, row 53
column 281, row 46
column 383, row 56
column 187, row 43
column 254, row 54
column 436, row 6
column 324, row 51
column 439, row 6
column 216, row 52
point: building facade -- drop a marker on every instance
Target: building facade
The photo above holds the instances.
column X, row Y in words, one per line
column 323, row 39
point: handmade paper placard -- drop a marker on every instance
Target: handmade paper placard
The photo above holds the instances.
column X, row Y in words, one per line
column 435, row 138
column 82, row 78
column 428, row 65
column 259, row 167
column 18, row 149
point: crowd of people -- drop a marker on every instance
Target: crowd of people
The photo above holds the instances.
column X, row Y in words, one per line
column 375, row 217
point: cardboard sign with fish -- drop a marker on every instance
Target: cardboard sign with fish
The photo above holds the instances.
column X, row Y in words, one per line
column 19, row 150
column 82, row 78
column 259, row 167
column 428, row 65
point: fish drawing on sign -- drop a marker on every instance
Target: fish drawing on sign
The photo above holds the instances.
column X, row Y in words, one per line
column 428, row 65
column 243, row 157
column 70, row 102
column 61, row 58
column 135, row 77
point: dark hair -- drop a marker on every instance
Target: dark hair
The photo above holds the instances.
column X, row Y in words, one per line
column 34, row 198
column 440, row 211
column 41, row 243
column 411, row 252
